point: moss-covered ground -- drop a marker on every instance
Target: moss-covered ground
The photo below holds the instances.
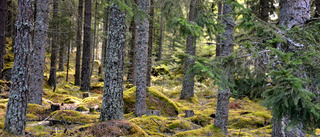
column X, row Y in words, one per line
column 246, row 117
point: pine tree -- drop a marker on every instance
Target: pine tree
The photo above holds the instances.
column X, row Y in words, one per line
column 79, row 45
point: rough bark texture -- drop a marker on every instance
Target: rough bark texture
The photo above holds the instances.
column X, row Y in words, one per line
column 62, row 54
column 3, row 10
column 188, row 79
column 38, row 54
column 141, row 52
column 150, row 42
column 85, row 71
column 112, row 105
column 16, row 113
column 294, row 12
column 79, row 36
column 265, row 7
column 54, row 47
column 132, row 73
column 218, row 45
column 222, row 110
column 159, row 54
column 105, row 33
column 317, row 14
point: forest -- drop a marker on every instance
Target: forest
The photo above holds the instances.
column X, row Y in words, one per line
column 160, row 68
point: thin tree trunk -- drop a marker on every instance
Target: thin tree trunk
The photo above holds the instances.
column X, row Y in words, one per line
column 112, row 106
column 132, row 73
column 188, row 79
column 94, row 37
column 105, row 34
column 53, row 69
column 68, row 61
column 3, row 10
column 222, row 109
column 85, row 72
column 16, row 113
column 218, row 44
column 160, row 38
column 141, row 54
column 265, row 7
column 79, row 35
column 150, row 42
column 38, row 55
column 61, row 56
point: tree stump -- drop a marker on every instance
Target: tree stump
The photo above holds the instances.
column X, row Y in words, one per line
column 189, row 113
column 85, row 95
column 55, row 107
column 153, row 112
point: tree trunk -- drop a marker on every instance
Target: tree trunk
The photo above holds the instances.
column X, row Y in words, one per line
column 222, row 109
column 141, row 54
column 132, row 73
column 53, row 69
column 317, row 14
column 150, row 42
column 38, row 54
column 105, row 34
column 292, row 13
column 16, row 113
column 10, row 19
column 79, row 35
column 160, row 38
column 188, row 79
column 94, row 45
column 3, row 10
column 85, row 72
column 218, row 44
column 112, row 106
column 265, row 7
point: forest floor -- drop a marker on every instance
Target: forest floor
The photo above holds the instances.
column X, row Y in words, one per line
column 79, row 116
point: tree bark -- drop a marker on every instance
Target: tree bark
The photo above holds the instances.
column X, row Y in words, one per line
column 218, row 45
column 112, row 106
column 3, row 10
column 132, row 73
column 85, row 72
column 38, row 54
column 54, row 47
column 94, row 46
column 160, row 38
column 188, row 79
column 265, row 8
column 62, row 56
column 16, row 113
column 141, row 54
column 294, row 12
column 79, row 35
column 222, row 109
column 105, row 34
column 150, row 42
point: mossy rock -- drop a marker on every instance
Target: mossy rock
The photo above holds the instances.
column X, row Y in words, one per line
column 146, row 123
column 74, row 116
column 155, row 100
column 246, row 121
column 117, row 128
column 39, row 111
column 82, row 108
column 201, row 120
column 206, row 131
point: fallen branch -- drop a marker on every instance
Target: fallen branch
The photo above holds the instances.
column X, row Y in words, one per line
column 167, row 129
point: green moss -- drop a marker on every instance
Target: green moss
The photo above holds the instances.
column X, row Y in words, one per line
column 92, row 101
column 70, row 115
column 194, row 99
column 206, row 131
column 82, row 108
column 155, row 100
column 71, row 100
column 3, row 106
column 201, row 120
column 246, row 121
column 147, row 123
column 263, row 114
column 180, row 124
column 32, row 117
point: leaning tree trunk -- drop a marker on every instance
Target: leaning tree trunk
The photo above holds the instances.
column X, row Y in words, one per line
column 112, row 105
column 54, row 49
column 141, row 52
column 292, row 13
column 85, row 71
column 265, row 7
column 79, row 35
column 150, row 42
column 16, row 113
column 188, row 79
column 3, row 10
column 39, row 53
column 222, row 109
